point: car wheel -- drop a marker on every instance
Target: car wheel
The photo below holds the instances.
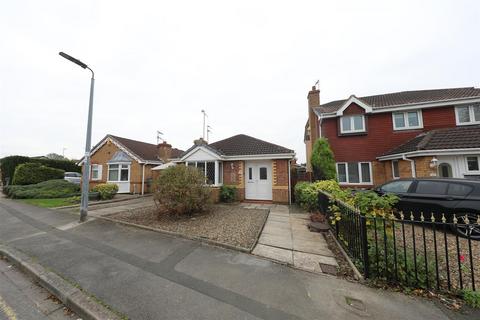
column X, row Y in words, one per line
column 471, row 229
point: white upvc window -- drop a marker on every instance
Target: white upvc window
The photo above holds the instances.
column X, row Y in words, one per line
column 118, row 172
column 395, row 169
column 352, row 124
column 96, row 173
column 213, row 171
column 354, row 172
column 467, row 114
column 473, row 164
column 407, row 120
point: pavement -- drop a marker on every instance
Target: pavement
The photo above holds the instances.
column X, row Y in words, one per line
column 149, row 275
column 286, row 238
column 22, row 298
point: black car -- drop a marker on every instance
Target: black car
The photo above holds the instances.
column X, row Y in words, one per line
column 439, row 196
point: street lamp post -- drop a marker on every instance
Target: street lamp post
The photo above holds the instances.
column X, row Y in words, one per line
column 88, row 143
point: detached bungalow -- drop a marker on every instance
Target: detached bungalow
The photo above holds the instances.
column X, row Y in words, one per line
column 258, row 169
column 127, row 163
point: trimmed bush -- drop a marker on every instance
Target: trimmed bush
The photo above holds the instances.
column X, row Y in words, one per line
column 227, row 193
column 8, row 165
column 181, row 190
column 306, row 194
column 43, row 190
column 31, row 173
column 323, row 162
column 106, row 190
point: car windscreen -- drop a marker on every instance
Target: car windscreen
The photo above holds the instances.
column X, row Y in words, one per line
column 400, row 186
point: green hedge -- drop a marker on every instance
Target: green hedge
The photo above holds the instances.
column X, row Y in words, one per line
column 106, row 190
column 43, row 190
column 31, row 173
column 8, row 165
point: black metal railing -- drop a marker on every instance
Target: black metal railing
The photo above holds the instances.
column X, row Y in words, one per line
column 421, row 251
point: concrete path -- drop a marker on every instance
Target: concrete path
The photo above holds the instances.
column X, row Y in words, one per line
column 148, row 275
column 20, row 298
column 286, row 238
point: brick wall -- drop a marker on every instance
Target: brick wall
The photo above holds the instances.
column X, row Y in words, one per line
column 280, row 181
column 423, row 168
column 233, row 175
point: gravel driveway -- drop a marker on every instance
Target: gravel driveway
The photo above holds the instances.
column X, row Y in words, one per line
column 228, row 224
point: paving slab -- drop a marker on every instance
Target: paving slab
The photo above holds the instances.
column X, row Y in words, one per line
column 311, row 262
column 279, row 241
column 278, row 254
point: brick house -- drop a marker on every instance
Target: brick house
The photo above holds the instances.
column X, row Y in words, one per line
column 378, row 138
column 258, row 169
column 127, row 163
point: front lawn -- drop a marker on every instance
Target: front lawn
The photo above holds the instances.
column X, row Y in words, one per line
column 50, row 203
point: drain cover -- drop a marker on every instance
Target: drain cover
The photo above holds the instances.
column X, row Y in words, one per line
column 355, row 303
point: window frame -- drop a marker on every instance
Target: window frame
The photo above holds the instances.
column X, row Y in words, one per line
column 98, row 168
column 352, row 126
column 393, row 169
column 218, row 170
column 407, row 123
column 360, row 175
column 478, row 163
column 471, row 114
column 119, row 171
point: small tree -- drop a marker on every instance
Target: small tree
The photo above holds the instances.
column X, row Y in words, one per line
column 181, row 190
column 323, row 162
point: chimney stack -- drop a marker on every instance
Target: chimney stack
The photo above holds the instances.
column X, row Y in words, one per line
column 313, row 102
column 164, row 151
column 200, row 142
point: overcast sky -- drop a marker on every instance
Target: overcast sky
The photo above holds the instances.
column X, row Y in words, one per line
column 249, row 64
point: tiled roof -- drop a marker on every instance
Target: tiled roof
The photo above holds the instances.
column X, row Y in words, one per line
column 143, row 150
column 243, row 145
column 406, row 98
column 464, row 137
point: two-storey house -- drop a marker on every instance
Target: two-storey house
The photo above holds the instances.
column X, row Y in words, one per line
column 378, row 138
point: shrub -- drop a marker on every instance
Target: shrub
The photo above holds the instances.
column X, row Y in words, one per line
column 227, row 193
column 8, row 165
column 181, row 190
column 106, row 190
column 472, row 298
column 306, row 194
column 43, row 190
column 31, row 173
column 323, row 162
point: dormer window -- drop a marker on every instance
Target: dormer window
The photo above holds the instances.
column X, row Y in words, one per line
column 468, row 114
column 352, row 124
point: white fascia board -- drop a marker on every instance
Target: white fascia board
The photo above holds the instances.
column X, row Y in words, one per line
column 420, row 153
column 185, row 157
column 260, row 156
column 357, row 101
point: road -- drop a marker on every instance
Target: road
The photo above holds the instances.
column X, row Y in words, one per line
column 148, row 275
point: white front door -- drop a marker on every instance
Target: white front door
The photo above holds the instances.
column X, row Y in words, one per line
column 258, row 180
column 119, row 174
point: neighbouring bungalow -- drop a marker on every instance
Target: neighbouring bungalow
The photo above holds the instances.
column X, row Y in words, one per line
column 259, row 170
column 127, row 163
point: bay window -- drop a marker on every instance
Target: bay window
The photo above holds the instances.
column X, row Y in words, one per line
column 212, row 170
column 118, row 172
column 352, row 124
column 468, row 114
column 407, row 120
column 354, row 172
